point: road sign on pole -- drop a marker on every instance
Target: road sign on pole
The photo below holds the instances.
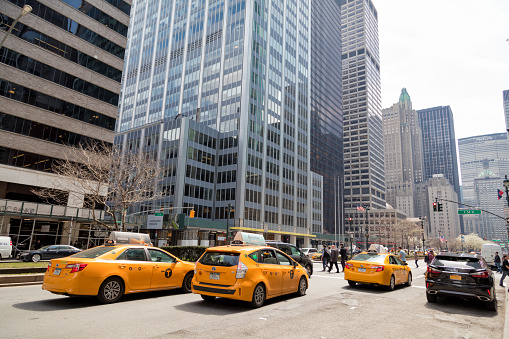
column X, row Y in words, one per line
column 469, row 212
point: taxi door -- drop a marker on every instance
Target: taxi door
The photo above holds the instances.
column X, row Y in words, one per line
column 166, row 270
column 271, row 272
column 289, row 281
column 396, row 269
column 135, row 268
column 402, row 270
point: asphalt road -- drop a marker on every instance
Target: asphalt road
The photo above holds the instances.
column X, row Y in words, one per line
column 331, row 309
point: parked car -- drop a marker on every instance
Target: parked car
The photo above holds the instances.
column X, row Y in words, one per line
column 309, row 251
column 5, row 247
column 49, row 252
column 295, row 253
column 462, row 275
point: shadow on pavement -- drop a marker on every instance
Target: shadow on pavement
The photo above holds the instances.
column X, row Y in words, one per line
column 451, row 305
column 372, row 289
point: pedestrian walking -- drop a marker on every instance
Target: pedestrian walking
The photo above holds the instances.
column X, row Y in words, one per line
column 402, row 254
column 325, row 258
column 416, row 258
column 505, row 270
column 344, row 255
column 497, row 263
column 334, row 254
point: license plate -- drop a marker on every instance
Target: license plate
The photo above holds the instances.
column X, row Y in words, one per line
column 214, row 276
column 455, row 277
column 362, row 270
column 57, row 271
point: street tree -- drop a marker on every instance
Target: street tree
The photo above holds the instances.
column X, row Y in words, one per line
column 405, row 232
column 105, row 177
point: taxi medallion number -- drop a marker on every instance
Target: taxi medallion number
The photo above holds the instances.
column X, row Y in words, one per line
column 214, row 276
column 455, row 277
column 57, row 271
column 362, row 270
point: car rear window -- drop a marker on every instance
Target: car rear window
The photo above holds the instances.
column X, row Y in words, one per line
column 458, row 262
column 220, row 259
column 378, row 258
column 93, row 252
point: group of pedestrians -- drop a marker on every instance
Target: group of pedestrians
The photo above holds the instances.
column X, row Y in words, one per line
column 330, row 257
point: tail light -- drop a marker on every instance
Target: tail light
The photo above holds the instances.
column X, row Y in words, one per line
column 49, row 266
column 350, row 266
column 241, row 270
column 378, row 268
column 76, row 267
column 11, row 242
column 483, row 274
column 432, row 271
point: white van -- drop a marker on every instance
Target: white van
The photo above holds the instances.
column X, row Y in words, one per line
column 5, row 247
column 488, row 253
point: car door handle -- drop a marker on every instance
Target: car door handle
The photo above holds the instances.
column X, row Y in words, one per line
column 156, row 267
column 264, row 271
column 121, row 266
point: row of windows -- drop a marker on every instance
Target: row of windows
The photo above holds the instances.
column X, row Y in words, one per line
column 29, row 96
column 202, row 138
column 201, row 156
column 14, row 157
column 198, row 192
column 44, row 71
column 199, row 174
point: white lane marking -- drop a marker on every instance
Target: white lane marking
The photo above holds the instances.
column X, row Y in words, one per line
column 323, row 276
column 419, row 276
column 419, row 286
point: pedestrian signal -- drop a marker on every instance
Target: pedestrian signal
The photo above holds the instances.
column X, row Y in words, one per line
column 191, row 214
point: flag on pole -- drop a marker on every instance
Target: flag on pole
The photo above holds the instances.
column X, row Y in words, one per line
column 442, row 239
column 360, row 208
column 500, row 194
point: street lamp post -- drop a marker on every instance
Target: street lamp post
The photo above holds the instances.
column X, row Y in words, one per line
column 422, row 229
column 506, row 185
column 24, row 11
column 366, row 208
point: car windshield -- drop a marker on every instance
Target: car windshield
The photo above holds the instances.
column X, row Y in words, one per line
column 220, row 259
column 458, row 262
column 371, row 257
column 93, row 252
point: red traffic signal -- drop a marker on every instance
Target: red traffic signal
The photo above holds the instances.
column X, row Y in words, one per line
column 435, row 207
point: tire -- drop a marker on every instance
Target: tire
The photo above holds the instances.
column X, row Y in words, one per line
column 309, row 270
column 186, row 283
column 492, row 305
column 432, row 298
column 258, row 296
column 409, row 281
column 303, row 286
column 36, row 257
column 111, row 290
column 392, row 284
column 207, row 297
column 352, row 283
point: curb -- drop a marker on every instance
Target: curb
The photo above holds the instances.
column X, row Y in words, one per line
column 21, row 279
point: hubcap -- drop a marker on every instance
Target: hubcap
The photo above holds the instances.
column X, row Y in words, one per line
column 188, row 283
column 36, row 257
column 259, row 295
column 111, row 290
column 392, row 282
column 302, row 285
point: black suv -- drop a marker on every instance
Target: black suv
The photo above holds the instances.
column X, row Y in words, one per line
column 295, row 253
column 462, row 275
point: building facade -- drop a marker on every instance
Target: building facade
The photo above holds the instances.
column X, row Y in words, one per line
column 505, row 95
column 327, row 109
column 362, row 109
column 402, row 154
column 60, row 75
column 491, row 226
column 236, row 75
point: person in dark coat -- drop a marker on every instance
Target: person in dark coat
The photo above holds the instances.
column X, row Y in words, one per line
column 325, row 258
column 334, row 254
column 497, row 263
column 344, row 255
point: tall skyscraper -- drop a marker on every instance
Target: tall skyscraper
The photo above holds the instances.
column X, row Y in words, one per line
column 481, row 153
column 362, row 108
column 220, row 92
column 327, row 109
column 60, row 73
column 506, row 108
column 439, row 144
column 490, row 226
column 402, row 154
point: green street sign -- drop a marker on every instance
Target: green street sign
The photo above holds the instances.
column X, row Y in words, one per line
column 159, row 214
column 469, row 212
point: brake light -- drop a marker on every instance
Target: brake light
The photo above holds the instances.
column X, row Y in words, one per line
column 483, row 274
column 241, row 270
column 11, row 242
column 432, row 271
column 49, row 266
column 76, row 267
column 350, row 266
column 378, row 268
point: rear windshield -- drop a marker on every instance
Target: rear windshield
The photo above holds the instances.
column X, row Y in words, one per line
column 378, row 258
column 457, row 262
column 93, row 252
column 220, row 259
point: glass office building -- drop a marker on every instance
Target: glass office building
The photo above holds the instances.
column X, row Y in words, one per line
column 219, row 91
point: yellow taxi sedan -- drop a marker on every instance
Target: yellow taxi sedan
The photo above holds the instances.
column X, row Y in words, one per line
column 249, row 273
column 111, row 271
column 377, row 269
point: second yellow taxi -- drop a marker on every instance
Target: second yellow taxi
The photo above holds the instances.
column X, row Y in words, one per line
column 115, row 269
column 246, row 272
column 375, row 267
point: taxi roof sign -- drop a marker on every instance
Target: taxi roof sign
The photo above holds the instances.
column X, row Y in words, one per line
column 128, row 238
column 245, row 238
column 377, row 248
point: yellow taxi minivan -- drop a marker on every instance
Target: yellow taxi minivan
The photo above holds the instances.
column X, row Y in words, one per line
column 247, row 270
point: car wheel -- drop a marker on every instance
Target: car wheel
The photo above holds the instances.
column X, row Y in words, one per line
column 392, row 284
column 207, row 297
column 432, row 298
column 303, row 286
column 111, row 290
column 36, row 257
column 186, row 283
column 409, row 281
column 492, row 305
column 258, row 296
column 309, row 270
column 352, row 283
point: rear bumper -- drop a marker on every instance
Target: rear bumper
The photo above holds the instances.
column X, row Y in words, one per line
column 70, row 285
column 239, row 291
column 377, row 278
column 480, row 292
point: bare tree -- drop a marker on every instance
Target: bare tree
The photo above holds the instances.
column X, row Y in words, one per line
column 105, row 177
column 405, row 232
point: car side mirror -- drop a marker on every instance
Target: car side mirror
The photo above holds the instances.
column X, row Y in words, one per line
column 406, row 264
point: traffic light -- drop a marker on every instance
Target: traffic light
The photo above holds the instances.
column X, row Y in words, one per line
column 435, row 207
column 191, row 214
column 440, row 207
column 350, row 220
